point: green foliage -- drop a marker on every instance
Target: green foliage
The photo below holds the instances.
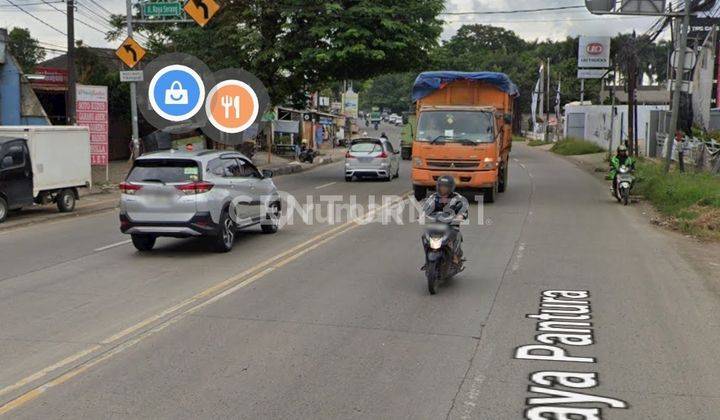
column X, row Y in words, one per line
column 483, row 47
column 677, row 194
column 296, row 47
column 572, row 147
column 388, row 91
column 25, row 49
column 518, row 138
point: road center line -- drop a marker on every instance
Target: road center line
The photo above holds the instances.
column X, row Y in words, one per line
column 105, row 248
column 325, row 185
column 191, row 305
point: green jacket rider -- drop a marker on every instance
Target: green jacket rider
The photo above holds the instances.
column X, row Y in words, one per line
column 620, row 159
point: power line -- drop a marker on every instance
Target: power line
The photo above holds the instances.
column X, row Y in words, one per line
column 101, row 7
column 503, row 12
column 37, row 18
column 9, row 6
column 76, row 19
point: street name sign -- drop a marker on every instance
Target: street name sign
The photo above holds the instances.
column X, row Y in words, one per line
column 157, row 9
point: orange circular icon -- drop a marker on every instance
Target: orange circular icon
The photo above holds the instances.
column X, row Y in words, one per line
column 232, row 106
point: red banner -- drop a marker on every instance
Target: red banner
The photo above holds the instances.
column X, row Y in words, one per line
column 92, row 112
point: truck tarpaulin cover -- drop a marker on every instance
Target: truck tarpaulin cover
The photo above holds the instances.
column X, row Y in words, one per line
column 428, row 82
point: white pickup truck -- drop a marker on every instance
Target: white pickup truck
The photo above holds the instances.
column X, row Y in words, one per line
column 42, row 165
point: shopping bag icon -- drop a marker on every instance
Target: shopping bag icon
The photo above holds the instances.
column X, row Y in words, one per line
column 176, row 95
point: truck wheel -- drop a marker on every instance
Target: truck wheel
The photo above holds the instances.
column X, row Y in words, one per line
column 491, row 194
column 503, row 179
column 65, row 201
column 3, row 209
column 143, row 243
column 420, row 192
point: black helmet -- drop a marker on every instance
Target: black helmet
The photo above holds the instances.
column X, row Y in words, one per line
column 446, row 181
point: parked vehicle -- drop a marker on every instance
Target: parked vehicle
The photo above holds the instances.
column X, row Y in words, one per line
column 439, row 251
column 42, row 165
column 307, row 155
column 624, row 183
column 193, row 194
column 372, row 158
column 464, row 129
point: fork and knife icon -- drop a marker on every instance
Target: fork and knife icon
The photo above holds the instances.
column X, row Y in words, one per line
column 228, row 102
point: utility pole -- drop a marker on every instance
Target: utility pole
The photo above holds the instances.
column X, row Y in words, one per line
column 133, row 92
column 70, row 104
column 679, row 72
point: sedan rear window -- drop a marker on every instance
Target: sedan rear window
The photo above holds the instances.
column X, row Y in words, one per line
column 366, row 148
column 168, row 171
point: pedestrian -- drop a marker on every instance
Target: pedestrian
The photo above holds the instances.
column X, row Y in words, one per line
column 680, row 148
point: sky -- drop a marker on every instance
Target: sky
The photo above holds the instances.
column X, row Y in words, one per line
column 543, row 25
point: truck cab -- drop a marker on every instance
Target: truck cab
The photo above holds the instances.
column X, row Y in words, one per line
column 463, row 130
column 16, row 179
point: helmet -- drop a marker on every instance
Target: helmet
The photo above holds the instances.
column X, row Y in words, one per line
column 383, row 134
column 622, row 148
column 446, row 181
column 364, row 133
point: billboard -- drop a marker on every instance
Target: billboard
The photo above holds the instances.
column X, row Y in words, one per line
column 594, row 52
column 350, row 104
column 92, row 112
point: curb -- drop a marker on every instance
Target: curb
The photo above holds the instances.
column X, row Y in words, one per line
column 294, row 168
column 85, row 211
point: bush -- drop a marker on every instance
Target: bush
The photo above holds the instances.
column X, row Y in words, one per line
column 572, row 147
column 674, row 193
column 518, row 138
column 691, row 200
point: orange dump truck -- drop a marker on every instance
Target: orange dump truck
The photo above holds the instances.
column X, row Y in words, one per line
column 464, row 129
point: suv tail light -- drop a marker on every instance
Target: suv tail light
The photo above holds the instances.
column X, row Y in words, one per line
column 128, row 188
column 199, row 187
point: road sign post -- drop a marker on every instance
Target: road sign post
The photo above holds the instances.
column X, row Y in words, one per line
column 133, row 92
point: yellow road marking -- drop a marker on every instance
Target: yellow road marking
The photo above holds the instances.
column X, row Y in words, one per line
column 266, row 267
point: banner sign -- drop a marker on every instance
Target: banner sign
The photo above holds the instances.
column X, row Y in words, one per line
column 591, row 73
column 594, row 52
column 350, row 104
column 92, row 112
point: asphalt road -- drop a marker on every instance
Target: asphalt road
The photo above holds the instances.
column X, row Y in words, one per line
column 334, row 321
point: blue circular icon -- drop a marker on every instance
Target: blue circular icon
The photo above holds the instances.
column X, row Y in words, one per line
column 176, row 93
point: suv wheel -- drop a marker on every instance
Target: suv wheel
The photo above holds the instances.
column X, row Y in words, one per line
column 65, row 201
column 3, row 209
column 270, row 224
column 225, row 239
column 143, row 242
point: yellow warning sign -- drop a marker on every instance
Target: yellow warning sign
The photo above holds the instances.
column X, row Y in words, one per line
column 201, row 10
column 130, row 52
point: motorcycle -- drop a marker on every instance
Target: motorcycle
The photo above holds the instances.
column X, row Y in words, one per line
column 623, row 184
column 439, row 251
column 307, row 155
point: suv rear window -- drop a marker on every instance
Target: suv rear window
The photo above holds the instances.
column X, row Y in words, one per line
column 167, row 171
column 366, row 147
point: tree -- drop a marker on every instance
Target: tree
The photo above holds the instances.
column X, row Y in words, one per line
column 295, row 47
column 26, row 49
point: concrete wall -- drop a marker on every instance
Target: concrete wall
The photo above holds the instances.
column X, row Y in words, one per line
column 598, row 120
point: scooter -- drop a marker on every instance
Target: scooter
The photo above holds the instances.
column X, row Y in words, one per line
column 439, row 251
column 623, row 184
column 307, row 155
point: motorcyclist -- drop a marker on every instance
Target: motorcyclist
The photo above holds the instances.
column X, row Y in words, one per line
column 446, row 200
column 622, row 158
column 384, row 136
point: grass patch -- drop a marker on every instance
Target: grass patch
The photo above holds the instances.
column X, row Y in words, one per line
column 536, row 143
column 690, row 200
column 572, row 147
column 518, row 138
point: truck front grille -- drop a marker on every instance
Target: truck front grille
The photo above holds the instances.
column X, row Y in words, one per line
column 453, row 164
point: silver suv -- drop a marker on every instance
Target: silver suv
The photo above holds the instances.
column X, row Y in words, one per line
column 190, row 194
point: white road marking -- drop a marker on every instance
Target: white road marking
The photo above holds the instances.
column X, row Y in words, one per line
column 105, row 248
column 325, row 185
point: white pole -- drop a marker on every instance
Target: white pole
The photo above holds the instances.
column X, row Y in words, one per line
column 133, row 93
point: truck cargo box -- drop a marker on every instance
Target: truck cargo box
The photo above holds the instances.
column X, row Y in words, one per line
column 60, row 155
